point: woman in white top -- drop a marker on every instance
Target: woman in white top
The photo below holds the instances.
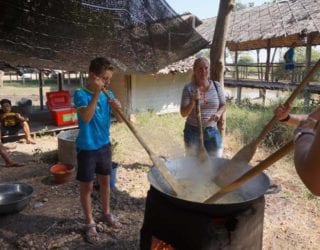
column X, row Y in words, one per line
column 212, row 105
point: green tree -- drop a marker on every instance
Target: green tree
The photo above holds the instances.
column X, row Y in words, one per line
column 239, row 6
column 245, row 59
column 300, row 55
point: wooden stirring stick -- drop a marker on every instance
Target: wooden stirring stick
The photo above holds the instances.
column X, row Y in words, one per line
column 173, row 183
column 252, row 172
column 202, row 152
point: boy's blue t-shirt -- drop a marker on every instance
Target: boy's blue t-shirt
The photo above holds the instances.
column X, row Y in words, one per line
column 95, row 133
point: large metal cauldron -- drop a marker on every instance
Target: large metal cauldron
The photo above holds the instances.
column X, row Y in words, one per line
column 250, row 191
column 14, row 197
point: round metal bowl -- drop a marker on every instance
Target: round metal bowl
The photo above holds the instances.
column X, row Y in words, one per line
column 14, row 197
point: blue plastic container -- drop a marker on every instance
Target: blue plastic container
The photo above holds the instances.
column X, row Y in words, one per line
column 113, row 175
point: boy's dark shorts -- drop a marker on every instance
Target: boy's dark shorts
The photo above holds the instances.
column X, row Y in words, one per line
column 13, row 130
column 91, row 162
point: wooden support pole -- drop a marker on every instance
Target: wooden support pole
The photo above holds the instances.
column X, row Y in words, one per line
column 258, row 64
column 218, row 49
column 267, row 72
column 69, row 78
column 272, row 62
column 1, row 78
column 306, row 93
column 81, row 78
column 60, row 81
column 41, row 90
column 266, row 76
column 239, row 89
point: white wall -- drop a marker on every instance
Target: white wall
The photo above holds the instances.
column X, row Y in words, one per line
column 119, row 87
column 160, row 93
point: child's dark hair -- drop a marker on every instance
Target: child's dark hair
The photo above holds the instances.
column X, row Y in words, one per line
column 100, row 64
column 3, row 101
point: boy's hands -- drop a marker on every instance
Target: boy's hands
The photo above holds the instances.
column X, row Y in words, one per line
column 99, row 84
column 115, row 103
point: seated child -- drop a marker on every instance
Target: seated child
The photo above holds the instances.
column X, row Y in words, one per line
column 12, row 122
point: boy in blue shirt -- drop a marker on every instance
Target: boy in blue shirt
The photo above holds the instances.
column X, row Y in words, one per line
column 93, row 142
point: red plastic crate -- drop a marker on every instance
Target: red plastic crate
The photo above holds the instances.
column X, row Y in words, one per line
column 58, row 99
column 65, row 116
column 59, row 104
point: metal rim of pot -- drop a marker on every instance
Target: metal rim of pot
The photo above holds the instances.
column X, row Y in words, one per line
column 252, row 190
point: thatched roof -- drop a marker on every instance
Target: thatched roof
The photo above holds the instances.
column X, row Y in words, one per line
column 136, row 36
column 281, row 22
column 181, row 66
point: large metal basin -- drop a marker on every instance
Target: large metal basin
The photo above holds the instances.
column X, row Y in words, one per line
column 14, row 197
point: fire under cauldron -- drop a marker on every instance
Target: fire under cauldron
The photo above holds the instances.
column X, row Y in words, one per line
column 185, row 224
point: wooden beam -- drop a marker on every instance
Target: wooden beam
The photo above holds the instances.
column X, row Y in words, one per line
column 256, row 84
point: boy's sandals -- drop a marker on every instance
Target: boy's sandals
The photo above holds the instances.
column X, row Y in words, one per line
column 111, row 220
column 91, row 236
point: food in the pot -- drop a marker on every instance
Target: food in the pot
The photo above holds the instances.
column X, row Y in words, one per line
column 196, row 180
column 195, row 191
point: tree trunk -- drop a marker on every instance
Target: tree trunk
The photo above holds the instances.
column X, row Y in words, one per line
column 218, row 49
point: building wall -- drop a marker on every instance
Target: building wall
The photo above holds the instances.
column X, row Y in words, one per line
column 159, row 93
column 119, row 86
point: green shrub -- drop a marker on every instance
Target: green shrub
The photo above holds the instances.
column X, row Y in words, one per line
column 247, row 121
column 250, row 119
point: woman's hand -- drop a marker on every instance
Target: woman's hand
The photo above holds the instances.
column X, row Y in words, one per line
column 215, row 117
column 195, row 95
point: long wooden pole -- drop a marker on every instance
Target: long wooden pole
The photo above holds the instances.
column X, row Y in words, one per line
column 252, row 172
column 218, row 48
column 173, row 183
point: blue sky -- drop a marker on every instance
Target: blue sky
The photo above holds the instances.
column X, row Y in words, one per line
column 202, row 8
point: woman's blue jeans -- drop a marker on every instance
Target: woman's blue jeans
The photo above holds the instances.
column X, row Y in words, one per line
column 212, row 140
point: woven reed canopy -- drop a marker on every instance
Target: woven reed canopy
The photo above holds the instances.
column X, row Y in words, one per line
column 281, row 23
column 137, row 36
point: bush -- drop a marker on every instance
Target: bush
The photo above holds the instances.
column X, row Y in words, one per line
column 248, row 120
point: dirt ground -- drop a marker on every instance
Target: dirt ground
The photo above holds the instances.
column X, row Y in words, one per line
column 53, row 219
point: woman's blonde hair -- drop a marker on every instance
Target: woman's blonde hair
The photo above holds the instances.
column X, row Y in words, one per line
column 196, row 62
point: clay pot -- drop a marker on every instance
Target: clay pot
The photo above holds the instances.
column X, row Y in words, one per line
column 61, row 172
